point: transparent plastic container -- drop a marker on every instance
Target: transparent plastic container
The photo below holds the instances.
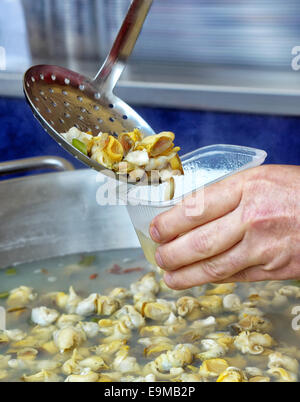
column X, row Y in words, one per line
column 202, row 167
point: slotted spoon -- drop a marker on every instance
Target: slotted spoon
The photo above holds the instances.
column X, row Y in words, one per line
column 61, row 98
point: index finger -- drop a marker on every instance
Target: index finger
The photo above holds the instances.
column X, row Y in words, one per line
column 197, row 209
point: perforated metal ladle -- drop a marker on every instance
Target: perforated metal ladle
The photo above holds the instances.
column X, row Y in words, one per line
column 61, row 98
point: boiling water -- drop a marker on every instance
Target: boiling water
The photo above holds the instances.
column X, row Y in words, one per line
column 75, row 270
column 101, row 273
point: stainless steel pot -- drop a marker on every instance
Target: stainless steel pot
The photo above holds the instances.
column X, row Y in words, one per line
column 56, row 214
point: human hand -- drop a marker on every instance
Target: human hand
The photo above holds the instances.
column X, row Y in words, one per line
column 248, row 230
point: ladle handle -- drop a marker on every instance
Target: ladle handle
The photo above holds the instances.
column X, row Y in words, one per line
column 115, row 62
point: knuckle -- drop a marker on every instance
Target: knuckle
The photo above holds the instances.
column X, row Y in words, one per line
column 237, row 262
column 214, row 271
column 242, row 276
column 248, row 214
column 257, row 212
column 200, row 242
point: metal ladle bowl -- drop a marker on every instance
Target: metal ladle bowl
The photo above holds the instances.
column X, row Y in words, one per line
column 61, row 98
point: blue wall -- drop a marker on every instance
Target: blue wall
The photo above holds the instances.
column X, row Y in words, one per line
column 21, row 135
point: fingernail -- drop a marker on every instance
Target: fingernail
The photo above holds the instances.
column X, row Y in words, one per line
column 168, row 278
column 154, row 233
column 158, row 259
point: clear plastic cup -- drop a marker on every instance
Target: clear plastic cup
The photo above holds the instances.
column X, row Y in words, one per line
column 202, row 167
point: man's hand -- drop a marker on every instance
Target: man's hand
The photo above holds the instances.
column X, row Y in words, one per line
column 249, row 230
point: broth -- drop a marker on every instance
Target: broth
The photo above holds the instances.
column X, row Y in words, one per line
column 104, row 271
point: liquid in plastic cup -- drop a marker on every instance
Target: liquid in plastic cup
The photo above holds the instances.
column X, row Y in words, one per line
column 202, row 167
